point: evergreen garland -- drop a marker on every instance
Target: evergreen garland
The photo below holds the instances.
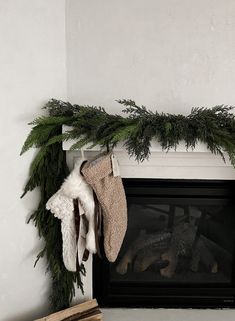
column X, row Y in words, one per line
column 94, row 126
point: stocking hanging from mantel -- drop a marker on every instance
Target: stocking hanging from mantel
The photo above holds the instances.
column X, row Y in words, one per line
column 103, row 175
column 91, row 181
column 62, row 206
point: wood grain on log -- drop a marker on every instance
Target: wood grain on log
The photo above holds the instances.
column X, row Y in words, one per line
column 87, row 311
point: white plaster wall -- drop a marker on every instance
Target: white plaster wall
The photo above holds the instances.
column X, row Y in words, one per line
column 32, row 70
column 171, row 54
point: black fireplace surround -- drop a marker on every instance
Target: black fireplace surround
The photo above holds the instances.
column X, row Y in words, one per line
column 179, row 248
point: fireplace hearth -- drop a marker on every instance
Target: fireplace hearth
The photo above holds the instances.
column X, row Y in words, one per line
column 179, row 247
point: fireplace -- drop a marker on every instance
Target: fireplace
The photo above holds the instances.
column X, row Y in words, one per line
column 178, row 250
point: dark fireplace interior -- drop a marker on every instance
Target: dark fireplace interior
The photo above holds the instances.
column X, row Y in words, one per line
column 178, row 250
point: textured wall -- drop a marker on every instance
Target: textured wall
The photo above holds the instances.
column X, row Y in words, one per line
column 170, row 54
column 32, row 69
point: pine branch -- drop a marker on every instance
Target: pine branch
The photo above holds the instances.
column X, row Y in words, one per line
column 60, row 108
column 48, row 170
column 133, row 109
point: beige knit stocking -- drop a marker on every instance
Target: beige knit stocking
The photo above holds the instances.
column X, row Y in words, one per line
column 111, row 196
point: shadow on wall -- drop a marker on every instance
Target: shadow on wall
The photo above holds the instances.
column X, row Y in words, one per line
column 30, row 315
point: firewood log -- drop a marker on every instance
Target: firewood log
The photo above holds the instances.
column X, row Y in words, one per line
column 181, row 243
column 141, row 242
column 145, row 259
column 172, row 258
column 203, row 254
column 87, row 311
column 149, row 255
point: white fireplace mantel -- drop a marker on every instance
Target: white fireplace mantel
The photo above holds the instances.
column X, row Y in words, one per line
column 175, row 164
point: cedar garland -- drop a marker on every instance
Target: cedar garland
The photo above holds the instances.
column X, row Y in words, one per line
column 94, row 126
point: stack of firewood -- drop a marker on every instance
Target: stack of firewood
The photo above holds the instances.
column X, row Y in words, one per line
column 87, row 311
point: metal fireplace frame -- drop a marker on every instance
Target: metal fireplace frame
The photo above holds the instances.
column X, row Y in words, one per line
column 168, row 296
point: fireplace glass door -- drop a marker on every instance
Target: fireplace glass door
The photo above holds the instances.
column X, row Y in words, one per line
column 178, row 249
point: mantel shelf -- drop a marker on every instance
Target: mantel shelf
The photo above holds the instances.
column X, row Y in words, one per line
column 180, row 164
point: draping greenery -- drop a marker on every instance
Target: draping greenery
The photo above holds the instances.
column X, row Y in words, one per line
column 94, row 126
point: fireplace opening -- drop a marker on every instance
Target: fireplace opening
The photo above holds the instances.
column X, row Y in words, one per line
column 178, row 250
